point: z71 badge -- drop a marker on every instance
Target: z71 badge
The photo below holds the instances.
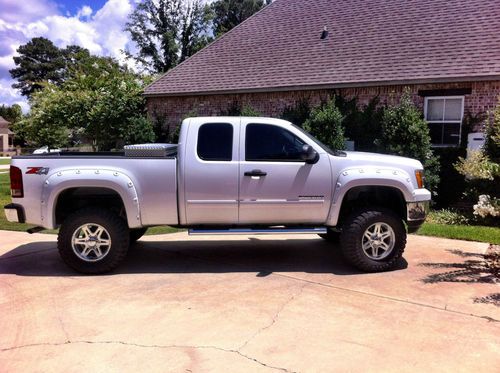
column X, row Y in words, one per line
column 37, row 170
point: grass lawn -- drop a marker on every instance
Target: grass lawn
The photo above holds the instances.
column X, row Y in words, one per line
column 4, row 161
column 461, row 232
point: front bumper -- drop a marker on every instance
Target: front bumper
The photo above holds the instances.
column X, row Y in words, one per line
column 416, row 213
column 14, row 213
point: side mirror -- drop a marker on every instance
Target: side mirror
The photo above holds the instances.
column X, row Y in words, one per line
column 309, row 155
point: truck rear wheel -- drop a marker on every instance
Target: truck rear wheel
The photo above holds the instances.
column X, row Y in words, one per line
column 93, row 240
column 136, row 234
column 373, row 239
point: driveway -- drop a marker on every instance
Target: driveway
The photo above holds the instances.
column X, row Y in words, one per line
column 247, row 304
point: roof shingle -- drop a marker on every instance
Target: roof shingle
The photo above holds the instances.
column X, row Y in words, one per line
column 369, row 42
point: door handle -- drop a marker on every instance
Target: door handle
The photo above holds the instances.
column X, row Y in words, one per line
column 255, row 173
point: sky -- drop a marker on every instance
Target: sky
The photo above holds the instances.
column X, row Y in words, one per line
column 93, row 24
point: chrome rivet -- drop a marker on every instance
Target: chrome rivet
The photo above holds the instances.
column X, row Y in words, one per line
column 361, row 171
column 59, row 173
column 137, row 217
column 345, row 173
column 97, row 171
column 77, row 171
column 394, row 172
column 339, row 185
column 408, row 179
column 130, row 185
column 46, row 182
column 115, row 173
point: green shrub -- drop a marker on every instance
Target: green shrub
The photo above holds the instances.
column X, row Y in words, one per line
column 362, row 124
column 236, row 110
column 325, row 122
column 448, row 217
column 248, row 111
column 404, row 132
column 298, row 113
column 482, row 172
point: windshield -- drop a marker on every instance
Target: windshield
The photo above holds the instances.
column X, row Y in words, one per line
column 314, row 139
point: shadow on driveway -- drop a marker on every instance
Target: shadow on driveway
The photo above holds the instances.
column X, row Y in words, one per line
column 473, row 268
column 191, row 256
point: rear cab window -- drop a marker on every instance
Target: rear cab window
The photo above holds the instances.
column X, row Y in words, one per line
column 215, row 142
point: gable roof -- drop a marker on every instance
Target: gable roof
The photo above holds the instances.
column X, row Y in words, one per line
column 4, row 127
column 3, row 122
column 370, row 42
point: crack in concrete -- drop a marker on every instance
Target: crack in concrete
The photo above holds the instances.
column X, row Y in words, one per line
column 274, row 318
column 149, row 346
column 489, row 319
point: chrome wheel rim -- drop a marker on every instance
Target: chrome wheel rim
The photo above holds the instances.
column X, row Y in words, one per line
column 91, row 242
column 378, row 241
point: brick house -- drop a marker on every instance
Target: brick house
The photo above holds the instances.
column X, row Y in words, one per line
column 6, row 138
column 446, row 53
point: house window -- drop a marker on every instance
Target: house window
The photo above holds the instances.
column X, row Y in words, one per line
column 444, row 116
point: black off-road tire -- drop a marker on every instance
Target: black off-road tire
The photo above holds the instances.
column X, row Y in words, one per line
column 351, row 239
column 331, row 236
column 136, row 234
column 118, row 232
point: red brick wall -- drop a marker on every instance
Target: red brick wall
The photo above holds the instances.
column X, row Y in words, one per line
column 483, row 98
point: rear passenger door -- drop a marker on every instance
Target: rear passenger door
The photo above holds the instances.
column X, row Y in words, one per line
column 211, row 172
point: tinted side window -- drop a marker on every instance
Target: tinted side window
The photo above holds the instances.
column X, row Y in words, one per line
column 265, row 142
column 215, row 142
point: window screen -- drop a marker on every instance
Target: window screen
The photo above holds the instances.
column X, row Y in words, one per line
column 265, row 142
column 444, row 115
column 215, row 142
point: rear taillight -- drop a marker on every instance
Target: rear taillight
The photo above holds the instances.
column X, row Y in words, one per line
column 16, row 182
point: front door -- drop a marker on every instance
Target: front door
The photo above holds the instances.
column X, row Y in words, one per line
column 276, row 185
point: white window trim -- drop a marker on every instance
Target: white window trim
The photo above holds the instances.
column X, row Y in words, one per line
column 446, row 121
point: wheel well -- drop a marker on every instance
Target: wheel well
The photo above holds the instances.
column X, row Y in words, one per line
column 365, row 196
column 73, row 199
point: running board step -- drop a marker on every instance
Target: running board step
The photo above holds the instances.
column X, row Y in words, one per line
column 278, row 230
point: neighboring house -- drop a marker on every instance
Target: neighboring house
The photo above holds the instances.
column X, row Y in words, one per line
column 446, row 53
column 6, row 138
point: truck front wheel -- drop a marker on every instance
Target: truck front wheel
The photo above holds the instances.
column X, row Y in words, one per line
column 93, row 240
column 373, row 239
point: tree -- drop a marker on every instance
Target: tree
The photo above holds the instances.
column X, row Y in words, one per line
column 12, row 113
column 102, row 102
column 325, row 123
column 41, row 62
column 168, row 31
column 230, row 13
column 404, row 132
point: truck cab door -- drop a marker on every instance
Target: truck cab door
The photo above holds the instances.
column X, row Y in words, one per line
column 210, row 172
column 276, row 185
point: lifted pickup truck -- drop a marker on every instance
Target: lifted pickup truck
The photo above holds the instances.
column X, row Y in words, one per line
column 227, row 175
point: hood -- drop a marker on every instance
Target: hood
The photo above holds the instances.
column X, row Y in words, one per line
column 381, row 160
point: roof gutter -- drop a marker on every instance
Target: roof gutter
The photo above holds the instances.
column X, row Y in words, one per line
column 332, row 86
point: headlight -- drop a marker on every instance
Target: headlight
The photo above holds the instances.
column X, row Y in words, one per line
column 419, row 174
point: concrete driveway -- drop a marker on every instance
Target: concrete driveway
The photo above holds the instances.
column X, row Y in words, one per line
column 247, row 304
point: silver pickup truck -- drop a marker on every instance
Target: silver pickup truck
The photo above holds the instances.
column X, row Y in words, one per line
column 227, row 175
